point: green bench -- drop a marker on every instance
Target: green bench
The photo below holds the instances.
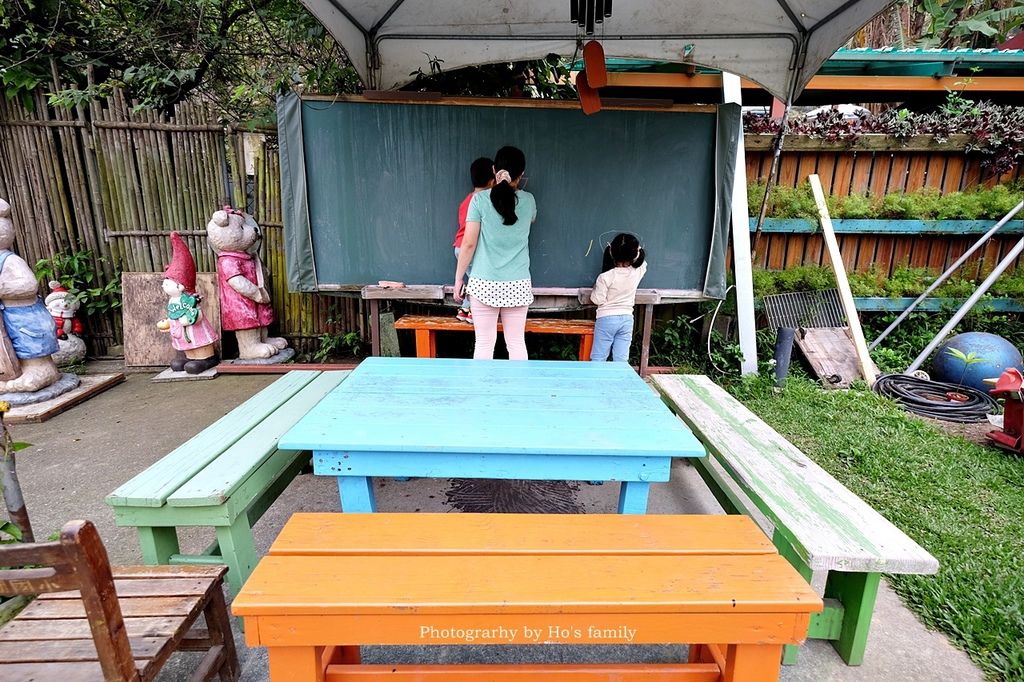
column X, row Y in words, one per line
column 837, row 542
column 224, row 477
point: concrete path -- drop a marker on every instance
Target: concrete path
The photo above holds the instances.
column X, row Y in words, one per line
column 79, row 457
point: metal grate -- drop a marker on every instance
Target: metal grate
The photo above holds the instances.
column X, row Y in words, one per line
column 805, row 309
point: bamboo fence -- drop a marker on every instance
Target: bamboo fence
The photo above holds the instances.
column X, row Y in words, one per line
column 113, row 179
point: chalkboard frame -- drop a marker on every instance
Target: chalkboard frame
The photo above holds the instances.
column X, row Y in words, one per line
column 301, row 259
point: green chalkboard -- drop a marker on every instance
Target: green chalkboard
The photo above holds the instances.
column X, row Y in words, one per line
column 372, row 189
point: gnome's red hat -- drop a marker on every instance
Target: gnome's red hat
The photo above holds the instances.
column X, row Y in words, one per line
column 182, row 268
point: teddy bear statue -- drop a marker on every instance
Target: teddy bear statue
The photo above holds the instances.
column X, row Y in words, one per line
column 29, row 328
column 244, row 300
column 63, row 309
column 192, row 335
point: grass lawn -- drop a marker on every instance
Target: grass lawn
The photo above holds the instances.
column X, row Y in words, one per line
column 963, row 502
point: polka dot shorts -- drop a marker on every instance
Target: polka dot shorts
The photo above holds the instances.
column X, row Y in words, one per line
column 512, row 294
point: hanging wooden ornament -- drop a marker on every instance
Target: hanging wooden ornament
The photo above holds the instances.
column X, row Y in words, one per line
column 593, row 63
column 590, row 99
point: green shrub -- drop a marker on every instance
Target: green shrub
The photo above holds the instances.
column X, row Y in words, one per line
column 856, row 206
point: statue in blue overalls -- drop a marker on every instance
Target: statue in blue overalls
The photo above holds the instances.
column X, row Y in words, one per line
column 27, row 323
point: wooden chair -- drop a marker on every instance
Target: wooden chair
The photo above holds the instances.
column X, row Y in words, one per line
column 136, row 616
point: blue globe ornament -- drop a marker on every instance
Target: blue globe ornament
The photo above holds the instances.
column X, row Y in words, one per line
column 968, row 359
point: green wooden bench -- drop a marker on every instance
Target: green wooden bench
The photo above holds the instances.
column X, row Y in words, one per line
column 834, row 539
column 224, row 477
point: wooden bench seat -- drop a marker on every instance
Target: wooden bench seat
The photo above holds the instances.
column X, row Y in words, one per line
column 225, row 477
column 834, row 539
column 426, row 329
column 92, row 622
column 715, row 582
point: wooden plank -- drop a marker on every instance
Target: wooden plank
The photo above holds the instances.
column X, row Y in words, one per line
column 78, row 628
column 184, row 572
column 507, row 584
column 131, row 607
column 842, row 283
column 285, row 368
column 145, row 304
column 829, row 526
column 536, row 325
column 499, row 534
column 215, row 483
column 91, row 384
column 65, row 672
column 831, row 354
column 414, row 292
column 624, row 672
column 143, row 648
column 160, row 587
column 151, row 487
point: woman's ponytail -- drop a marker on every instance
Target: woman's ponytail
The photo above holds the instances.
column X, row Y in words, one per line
column 503, row 195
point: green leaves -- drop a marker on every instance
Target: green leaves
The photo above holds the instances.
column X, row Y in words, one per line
column 10, row 530
column 967, row 358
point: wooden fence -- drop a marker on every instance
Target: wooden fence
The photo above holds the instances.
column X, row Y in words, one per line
column 870, row 168
column 114, row 180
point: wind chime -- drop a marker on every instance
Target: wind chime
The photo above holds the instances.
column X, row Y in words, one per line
column 586, row 14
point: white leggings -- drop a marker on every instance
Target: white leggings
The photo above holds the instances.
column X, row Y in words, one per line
column 485, row 323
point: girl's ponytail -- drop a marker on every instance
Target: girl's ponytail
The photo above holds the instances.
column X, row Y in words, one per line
column 503, row 196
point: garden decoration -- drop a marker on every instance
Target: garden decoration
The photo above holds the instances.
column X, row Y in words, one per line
column 1008, row 388
column 31, row 374
column 244, row 300
column 970, row 358
column 63, row 308
column 191, row 333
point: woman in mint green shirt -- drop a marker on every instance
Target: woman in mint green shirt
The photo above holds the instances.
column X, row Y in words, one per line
column 497, row 243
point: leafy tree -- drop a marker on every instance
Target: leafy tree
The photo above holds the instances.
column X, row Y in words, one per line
column 969, row 23
column 233, row 52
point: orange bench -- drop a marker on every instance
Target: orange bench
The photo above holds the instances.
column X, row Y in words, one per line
column 426, row 329
column 333, row 582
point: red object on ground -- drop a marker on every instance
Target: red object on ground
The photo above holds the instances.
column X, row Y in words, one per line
column 590, row 100
column 593, row 64
column 1008, row 387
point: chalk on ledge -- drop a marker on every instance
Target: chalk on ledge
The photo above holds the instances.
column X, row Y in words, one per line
column 385, row 284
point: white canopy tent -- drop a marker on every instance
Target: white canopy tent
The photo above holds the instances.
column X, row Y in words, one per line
column 779, row 44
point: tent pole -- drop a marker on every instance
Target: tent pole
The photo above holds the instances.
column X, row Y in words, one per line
column 773, row 172
column 742, row 265
column 942, row 278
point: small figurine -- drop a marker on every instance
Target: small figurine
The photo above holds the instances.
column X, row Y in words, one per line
column 27, row 322
column 244, row 301
column 63, row 311
column 192, row 335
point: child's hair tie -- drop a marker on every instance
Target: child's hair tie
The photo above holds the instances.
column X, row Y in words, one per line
column 503, row 176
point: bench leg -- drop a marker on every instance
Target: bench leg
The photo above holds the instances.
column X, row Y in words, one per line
column 426, row 343
column 857, row 593
column 296, row 663
column 158, row 544
column 633, row 497
column 238, row 551
column 791, row 652
column 586, row 345
column 751, row 662
column 356, row 494
column 219, row 626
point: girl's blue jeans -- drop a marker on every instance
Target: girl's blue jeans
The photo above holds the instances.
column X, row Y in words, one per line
column 465, row 301
column 612, row 333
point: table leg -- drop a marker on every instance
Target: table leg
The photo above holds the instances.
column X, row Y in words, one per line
column 296, row 663
column 633, row 497
column 423, row 343
column 752, row 662
column 158, row 544
column 645, row 342
column 374, row 327
column 356, row 494
column 586, row 345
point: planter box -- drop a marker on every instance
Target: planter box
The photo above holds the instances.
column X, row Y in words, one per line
column 931, row 305
column 869, row 142
column 887, row 227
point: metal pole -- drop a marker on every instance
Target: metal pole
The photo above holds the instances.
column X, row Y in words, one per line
column 773, row 173
column 966, row 307
column 13, row 499
column 942, row 278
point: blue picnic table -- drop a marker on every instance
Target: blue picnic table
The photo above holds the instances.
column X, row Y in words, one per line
column 537, row 420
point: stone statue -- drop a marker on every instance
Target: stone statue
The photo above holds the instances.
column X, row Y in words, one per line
column 64, row 311
column 191, row 333
column 28, row 325
column 244, row 300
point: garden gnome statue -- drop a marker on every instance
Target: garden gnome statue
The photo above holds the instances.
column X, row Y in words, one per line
column 63, row 309
column 192, row 335
column 27, row 324
column 244, row 301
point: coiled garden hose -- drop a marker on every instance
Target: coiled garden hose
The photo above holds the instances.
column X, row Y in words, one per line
column 935, row 399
